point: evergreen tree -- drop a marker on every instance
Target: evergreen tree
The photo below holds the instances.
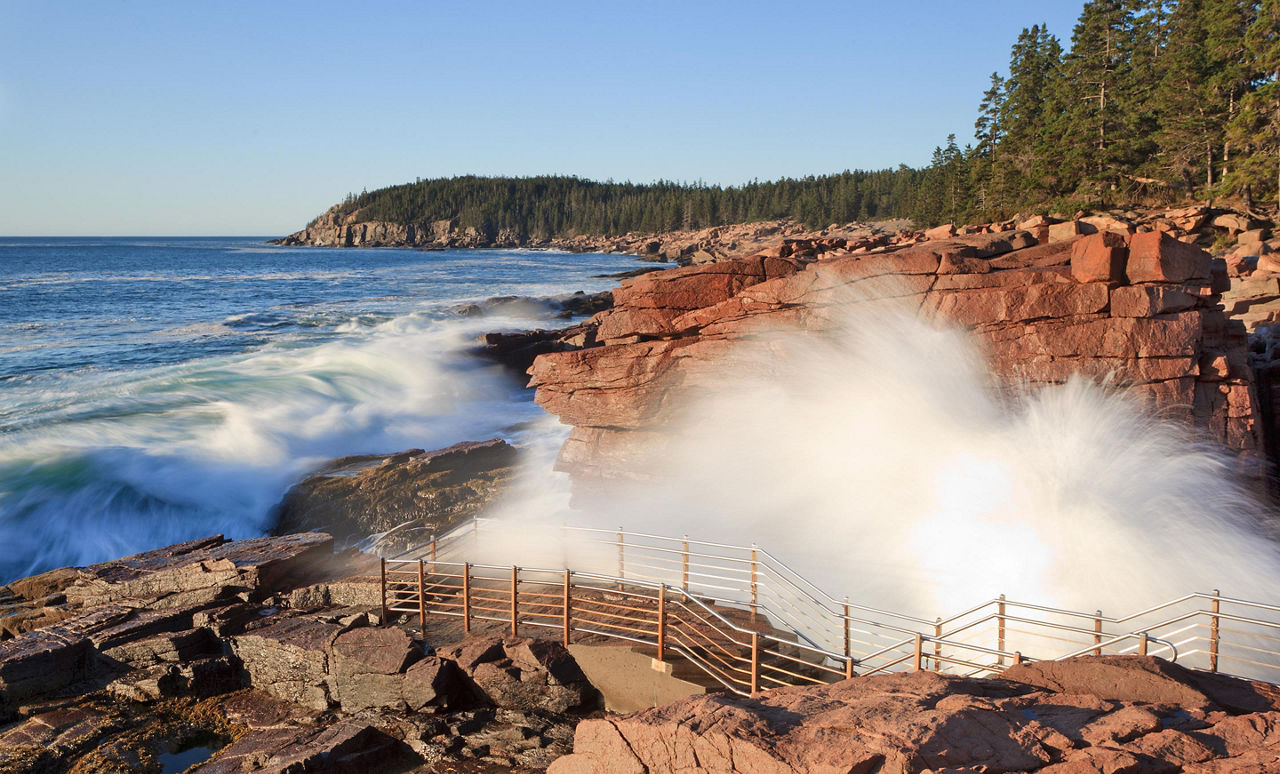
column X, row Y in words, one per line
column 1255, row 127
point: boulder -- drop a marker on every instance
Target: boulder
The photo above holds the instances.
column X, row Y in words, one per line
column 354, row 497
column 1070, row 229
column 367, row 668
column 1156, row 257
column 523, row 674
column 945, row 231
column 1233, row 222
column 1099, row 257
column 289, row 659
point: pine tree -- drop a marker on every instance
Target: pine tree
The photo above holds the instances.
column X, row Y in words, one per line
column 1255, row 128
column 1093, row 101
column 1023, row 167
column 989, row 133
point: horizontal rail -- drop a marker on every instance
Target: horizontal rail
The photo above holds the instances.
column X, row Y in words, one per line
column 717, row 585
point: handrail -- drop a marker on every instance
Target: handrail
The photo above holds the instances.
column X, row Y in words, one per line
column 712, row 576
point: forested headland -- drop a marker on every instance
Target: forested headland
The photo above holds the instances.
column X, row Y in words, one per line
column 1150, row 102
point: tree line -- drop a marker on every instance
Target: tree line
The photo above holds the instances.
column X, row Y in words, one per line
column 1154, row 102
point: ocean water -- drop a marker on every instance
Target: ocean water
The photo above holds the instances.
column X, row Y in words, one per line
column 154, row 390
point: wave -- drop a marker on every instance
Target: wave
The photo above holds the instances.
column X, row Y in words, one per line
column 99, row 466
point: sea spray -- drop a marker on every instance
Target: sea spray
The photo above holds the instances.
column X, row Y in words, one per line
column 885, row 462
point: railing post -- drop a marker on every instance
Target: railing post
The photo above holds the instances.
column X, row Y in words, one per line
column 422, row 598
column 433, row 554
column 937, row 644
column 1097, row 632
column 755, row 568
column 1142, row 644
column 1214, row 633
column 383, row 620
column 848, row 668
column 568, row 607
column 1017, row 657
column 918, row 656
column 515, row 601
column 1000, row 630
column 847, row 649
column 755, row 662
column 662, row 621
column 466, row 598
column 622, row 567
column 684, row 563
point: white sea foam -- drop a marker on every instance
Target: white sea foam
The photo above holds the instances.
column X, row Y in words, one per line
column 886, row 464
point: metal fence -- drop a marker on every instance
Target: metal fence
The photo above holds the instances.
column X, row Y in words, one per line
column 751, row 622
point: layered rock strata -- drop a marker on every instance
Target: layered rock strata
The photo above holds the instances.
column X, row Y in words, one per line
column 268, row 654
column 1141, row 308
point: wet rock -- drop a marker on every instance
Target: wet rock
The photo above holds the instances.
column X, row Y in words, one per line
column 346, row 746
column 429, row 492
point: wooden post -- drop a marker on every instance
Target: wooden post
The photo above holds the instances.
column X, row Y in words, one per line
column 1000, row 629
column 755, row 568
column 1214, row 632
column 383, row 620
column 433, row 554
column 422, row 598
column 662, row 621
column 1097, row 633
column 622, row 568
column 466, row 598
column 848, row 668
column 755, row 662
column 1142, row 644
column 937, row 644
column 515, row 601
column 684, row 564
column 568, row 607
column 1017, row 657
column 847, row 649
column 918, row 657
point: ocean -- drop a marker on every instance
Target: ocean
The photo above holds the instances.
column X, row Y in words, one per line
column 155, row 390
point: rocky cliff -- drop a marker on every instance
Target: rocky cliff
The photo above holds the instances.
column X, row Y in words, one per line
column 1046, row 300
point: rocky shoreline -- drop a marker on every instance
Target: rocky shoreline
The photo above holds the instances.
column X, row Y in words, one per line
column 271, row 655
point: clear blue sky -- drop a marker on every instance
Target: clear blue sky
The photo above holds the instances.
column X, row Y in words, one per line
column 247, row 118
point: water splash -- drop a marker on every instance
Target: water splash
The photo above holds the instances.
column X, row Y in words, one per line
column 885, row 462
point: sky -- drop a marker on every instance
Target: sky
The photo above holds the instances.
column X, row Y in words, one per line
column 251, row 118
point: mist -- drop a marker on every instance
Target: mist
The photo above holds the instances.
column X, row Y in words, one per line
column 885, row 462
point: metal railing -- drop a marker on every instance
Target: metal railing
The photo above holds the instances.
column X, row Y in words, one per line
column 751, row 622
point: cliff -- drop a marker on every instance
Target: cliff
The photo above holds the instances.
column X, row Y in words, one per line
column 1045, row 300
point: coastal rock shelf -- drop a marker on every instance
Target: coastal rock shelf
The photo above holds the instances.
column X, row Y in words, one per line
column 1108, row 714
column 1045, row 302
column 267, row 654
